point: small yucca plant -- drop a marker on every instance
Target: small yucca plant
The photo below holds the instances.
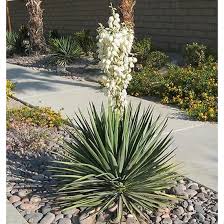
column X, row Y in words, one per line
column 116, row 160
column 65, row 50
column 85, row 41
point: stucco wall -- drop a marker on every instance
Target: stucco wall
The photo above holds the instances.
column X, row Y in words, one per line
column 170, row 23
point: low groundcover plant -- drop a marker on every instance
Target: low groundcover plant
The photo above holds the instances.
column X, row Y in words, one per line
column 117, row 157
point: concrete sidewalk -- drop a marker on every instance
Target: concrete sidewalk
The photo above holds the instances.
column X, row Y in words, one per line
column 196, row 141
column 13, row 216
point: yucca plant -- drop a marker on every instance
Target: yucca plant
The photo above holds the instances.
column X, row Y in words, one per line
column 86, row 41
column 64, row 50
column 11, row 42
column 116, row 160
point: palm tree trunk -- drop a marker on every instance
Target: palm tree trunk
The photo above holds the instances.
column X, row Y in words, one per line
column 8, row 17
column 127, row 10
column 35, row 25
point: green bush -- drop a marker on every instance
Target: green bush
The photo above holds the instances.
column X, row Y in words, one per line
column 38, row 116
column 53, row 34
column 142, row 49
column 64, row 50
column 9, row 88
column 146, row 82
column 115, row 161
column 192, row 89
column 86, row 41
column 11, row 39
column 195, row 54
column 18, row 42
column 157, row 59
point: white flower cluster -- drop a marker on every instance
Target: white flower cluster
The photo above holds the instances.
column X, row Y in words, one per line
column 114, row 51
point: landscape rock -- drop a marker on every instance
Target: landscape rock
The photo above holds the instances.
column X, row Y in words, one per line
column 35, row 218
column 48, row 218
column 167, row 221
column 46, row 209
column 71, row 211
column 191, row 193
column 23, row 193
column 14, row 198
column 64, row 221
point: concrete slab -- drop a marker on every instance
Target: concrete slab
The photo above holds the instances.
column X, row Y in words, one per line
column 13, row 216
column 196, row 141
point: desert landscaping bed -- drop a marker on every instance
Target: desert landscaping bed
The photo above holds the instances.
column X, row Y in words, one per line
column 30, row 150
column 85, row 68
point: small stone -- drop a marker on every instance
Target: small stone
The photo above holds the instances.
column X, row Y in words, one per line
column 201, row 196
column 131, row 220
column 215, row 208
column 64, row 221
column 194, row 186
column 179, row 211
column 25, row 200
column 28, row 207
column 191, row 193
column 59, row 216
column 213, row 220
column 186, row 218
column 167, row 221
column 13, row 191
column 69, row 216
column 75, row 219
column 158, row 219
column 200, row 217
column 179, row 189
column 35, row 199
column 36, row 217
column 23, row 193
column 48, row 218
column 192, row 221
column 28, row 216
column 185, row 204
column 16, row 204
column 14, row 198
column 199, row 209
column 8, row 189
column 71, row 211
column 190, row 208
column 46, row 209
column 177, row 221
column 84, row 219
column 164, row 216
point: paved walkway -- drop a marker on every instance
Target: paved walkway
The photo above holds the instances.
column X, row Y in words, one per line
column 13, row 216
column 196, row 141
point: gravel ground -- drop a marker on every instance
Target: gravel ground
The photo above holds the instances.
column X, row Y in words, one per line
column 28, row 186
column 81, row 69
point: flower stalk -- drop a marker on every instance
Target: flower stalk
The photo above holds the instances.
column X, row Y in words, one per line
column 116, row 60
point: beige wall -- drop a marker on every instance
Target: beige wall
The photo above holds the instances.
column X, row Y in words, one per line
column 170, row 23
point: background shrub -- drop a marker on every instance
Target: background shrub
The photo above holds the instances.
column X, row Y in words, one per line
column 65, row 50
column 53, row 34
column 9, row 88
column 144, row 83
column 86, row 41
column 157, row 59
column 195, row 54
column 142, row 49
column 18, row 42
column 192, row 89
column 38, row 116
